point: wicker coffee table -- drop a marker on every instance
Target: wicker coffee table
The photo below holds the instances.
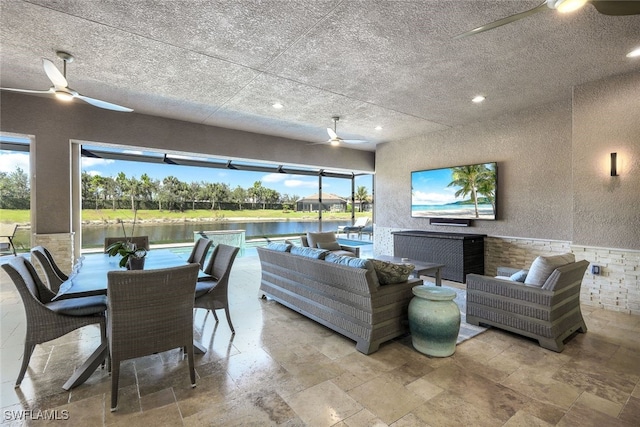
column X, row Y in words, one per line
column 421, row 268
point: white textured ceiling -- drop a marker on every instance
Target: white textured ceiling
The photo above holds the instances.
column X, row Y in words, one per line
column 374, row 63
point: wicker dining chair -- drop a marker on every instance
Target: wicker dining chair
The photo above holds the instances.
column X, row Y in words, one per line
column 199, row 251
column 213, row 294
column 52, row 272
column 141, row 242
column 47, row 319
column 150, row 311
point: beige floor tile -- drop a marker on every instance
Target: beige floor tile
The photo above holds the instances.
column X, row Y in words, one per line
column 585, row 416
column 631, row 411
column 323, row 405
column 448, row 409
column 424, row 389
column 364, row 418
column 539, row 386
column 524, row 419
column 599, row 404
column 410, row 420
column 394, row 403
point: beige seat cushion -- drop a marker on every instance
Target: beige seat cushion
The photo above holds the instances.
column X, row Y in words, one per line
column 543, row 266
column 320, row 237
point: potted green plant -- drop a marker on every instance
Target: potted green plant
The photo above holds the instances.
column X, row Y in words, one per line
column 132, row 257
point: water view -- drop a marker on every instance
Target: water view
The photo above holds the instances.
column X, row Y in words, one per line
column 93, row 236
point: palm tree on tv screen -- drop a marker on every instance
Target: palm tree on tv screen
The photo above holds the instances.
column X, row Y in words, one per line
column 487, row 187
column 472, row 180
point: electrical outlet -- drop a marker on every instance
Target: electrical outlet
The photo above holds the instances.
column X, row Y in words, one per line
column 595, row 270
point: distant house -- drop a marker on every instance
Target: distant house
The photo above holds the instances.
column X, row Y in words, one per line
column 330, row 202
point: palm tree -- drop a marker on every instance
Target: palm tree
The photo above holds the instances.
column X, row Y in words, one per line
column 487, row 187
column 361, row 195
column 469, row 178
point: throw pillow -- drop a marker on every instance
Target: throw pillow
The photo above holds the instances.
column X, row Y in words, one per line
column 330, row 246
column 519, row 276
column 280, row 247
column 348, row 261
column 389, row 273
column 543, row 266
column 309, row 252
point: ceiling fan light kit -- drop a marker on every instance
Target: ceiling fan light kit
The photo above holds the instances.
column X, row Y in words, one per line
column 61, row 89
column 335, row 140
column 605, row 7
column 566, row 6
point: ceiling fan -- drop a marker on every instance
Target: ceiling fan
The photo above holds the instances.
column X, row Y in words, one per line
column 61, row 89
column 335, row 140
column 606, row 7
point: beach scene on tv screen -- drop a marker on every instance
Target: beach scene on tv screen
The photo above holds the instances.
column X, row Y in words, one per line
column 456, row 192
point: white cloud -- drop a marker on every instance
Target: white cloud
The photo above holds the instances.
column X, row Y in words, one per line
column 94, row 173
column 274, row 177
column 298, row 183
column 88, row 162
column 10, row 160
column 421, row 198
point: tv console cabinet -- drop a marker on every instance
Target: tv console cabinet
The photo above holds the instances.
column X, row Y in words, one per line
column 460, row 253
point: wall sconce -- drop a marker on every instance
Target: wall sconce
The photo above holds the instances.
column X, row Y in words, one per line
column 614, row 164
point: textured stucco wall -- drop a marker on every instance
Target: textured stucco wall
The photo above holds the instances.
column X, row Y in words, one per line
column 606, row 119
column 54, row 126
column 533, row 151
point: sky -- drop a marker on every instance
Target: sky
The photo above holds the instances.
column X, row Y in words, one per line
column 299, row 185
column 430, row 187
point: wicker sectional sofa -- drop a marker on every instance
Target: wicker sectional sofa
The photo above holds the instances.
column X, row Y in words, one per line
column 347, row 299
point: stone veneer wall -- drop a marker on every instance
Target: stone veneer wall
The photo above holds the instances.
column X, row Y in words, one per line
column 61, row 247
column 616, row 288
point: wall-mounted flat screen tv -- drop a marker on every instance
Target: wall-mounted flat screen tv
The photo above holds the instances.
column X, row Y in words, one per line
column 464, row 192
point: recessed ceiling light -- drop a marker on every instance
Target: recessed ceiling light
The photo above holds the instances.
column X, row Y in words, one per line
column 634, row 53
column 378, row 128
column 277, row 106
column 478, row 99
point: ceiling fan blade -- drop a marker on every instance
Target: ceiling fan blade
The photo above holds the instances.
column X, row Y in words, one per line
column 354, row 141
column 104, row 104
column 54, row 74
column 504, row 21
column 24, row 90
column 617, row 8
column 332, row 133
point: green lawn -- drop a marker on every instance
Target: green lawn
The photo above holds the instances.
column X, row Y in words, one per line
column 22, row 216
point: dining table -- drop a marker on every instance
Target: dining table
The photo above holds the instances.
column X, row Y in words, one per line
column 89, row 277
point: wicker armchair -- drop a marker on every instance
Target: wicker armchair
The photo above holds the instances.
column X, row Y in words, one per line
column 46, row 319
column 548, row 314
column 213, row 294
column 141, row 242
column 199, row 251
column 52, row 272
column 150, row 311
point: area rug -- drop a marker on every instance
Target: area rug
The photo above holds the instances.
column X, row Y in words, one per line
column 467, row 331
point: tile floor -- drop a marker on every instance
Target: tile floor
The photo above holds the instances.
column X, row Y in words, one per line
column 282, row 369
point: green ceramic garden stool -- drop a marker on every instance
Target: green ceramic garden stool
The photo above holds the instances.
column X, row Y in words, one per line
column 434, row 320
